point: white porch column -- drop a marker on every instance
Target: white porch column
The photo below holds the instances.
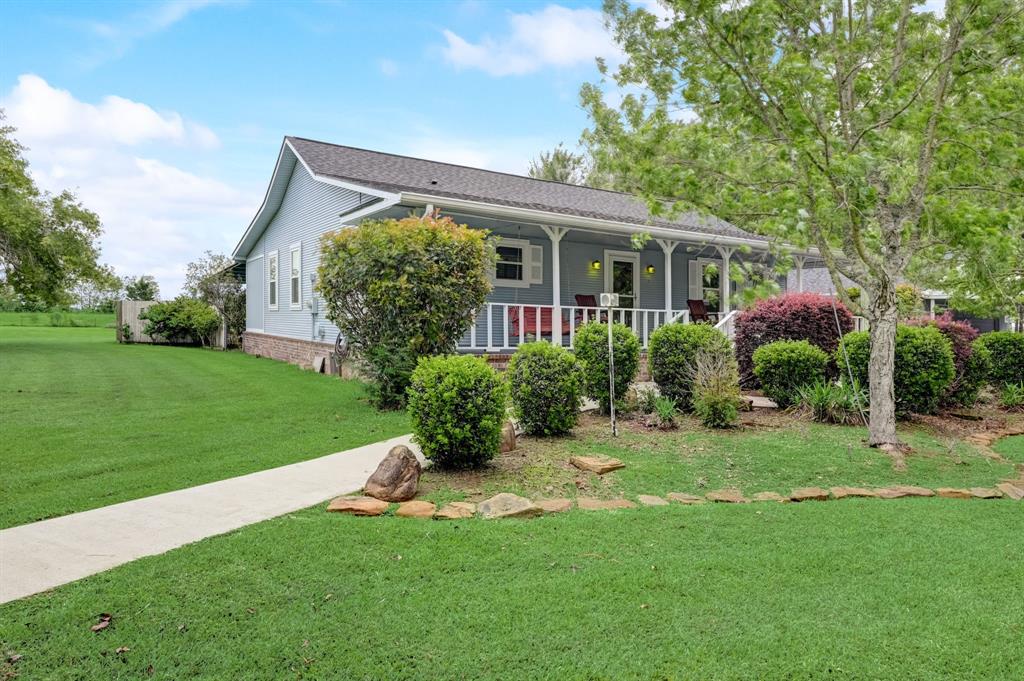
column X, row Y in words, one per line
column 725, row 288
column 556, row 234
column 799, row 261
column 668, row 247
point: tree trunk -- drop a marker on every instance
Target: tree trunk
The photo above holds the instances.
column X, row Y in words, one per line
column 882, row 316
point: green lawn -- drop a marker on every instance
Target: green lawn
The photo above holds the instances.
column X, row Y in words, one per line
column 1011, row 448
column 85, row 422
column 61, row 318
column 853, row 589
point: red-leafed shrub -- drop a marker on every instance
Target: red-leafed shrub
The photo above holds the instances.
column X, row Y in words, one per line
column 970, row 362
column 793, row 316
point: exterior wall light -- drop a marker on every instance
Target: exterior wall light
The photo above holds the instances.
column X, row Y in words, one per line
column 596, row 265
column 650, row 269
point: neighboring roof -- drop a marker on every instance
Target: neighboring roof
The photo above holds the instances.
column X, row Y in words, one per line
column 396, row 174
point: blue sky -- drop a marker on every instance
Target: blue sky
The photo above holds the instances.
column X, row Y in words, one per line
column 166, row 117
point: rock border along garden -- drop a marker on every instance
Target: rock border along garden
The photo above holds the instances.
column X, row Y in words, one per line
column 403, row 471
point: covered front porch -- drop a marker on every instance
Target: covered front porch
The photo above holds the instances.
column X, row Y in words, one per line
column 548, row 281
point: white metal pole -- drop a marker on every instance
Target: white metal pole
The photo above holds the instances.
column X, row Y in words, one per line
column 611, row 376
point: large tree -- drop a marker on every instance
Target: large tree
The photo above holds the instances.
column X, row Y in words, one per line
column 876, row 132
column 560, row 165
column 47, row 243
column 143, row 287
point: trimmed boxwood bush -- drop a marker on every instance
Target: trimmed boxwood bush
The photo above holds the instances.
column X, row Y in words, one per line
column 923, row 371
column 1007, row 350
column 793, row 316
column 591, row 347
column 784, row 367
column 546, row 383
column 971, row 362
column 458, row 407
column 671, row 354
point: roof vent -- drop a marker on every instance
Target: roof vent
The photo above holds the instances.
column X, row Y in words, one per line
column 433, row 182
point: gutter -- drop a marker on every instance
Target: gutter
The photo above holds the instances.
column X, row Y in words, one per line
column 540, row 217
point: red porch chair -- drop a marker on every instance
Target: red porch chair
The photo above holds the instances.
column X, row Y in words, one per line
column 699, row 312
column 587, row 300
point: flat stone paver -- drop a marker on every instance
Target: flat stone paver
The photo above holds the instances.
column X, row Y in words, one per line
column 48, row 553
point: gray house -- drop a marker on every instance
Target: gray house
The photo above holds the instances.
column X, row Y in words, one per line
column 559, row 247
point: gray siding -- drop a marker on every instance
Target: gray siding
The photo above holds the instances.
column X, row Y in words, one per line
column 308, row 210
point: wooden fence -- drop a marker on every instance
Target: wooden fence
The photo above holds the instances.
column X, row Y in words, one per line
column 130, row 329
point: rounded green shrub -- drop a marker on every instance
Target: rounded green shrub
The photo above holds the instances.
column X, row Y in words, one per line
column 671, row 354
column 1007, row 358
column 546, row 384
column 458, row 407
column 923, row 367
column 971, row 376
column 591, row 347
column 784, row 367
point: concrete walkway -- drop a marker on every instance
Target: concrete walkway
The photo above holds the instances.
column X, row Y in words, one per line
column 42, row 555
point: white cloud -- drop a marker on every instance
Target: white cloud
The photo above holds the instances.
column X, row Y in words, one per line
column 553, row 36
column 119, row 37
column 388, row 67
column 156, row 216
column 48, row 114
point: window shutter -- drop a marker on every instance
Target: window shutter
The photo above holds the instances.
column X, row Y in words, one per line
column 536, row 264
column 695, row 292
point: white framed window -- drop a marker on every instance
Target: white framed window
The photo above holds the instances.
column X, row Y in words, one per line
column 295, row 276
column 272, row 280
column 706, row 282
column 519, row 265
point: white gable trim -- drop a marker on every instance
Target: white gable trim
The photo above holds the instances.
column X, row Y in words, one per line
column 341, row 183
column 288, row 156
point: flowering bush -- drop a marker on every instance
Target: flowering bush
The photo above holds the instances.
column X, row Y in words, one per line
column 793, row 316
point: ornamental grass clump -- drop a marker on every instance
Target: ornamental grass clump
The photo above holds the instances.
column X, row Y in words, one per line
column 591, row 347
column 546, row 384
column 841, row 403
column 784, row 367
column 458, row 407
column 716, row 389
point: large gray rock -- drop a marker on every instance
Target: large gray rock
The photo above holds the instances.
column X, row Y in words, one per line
column 397, row 476
column 507, row 505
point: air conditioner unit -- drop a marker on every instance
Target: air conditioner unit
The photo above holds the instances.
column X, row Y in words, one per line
column 609, row 300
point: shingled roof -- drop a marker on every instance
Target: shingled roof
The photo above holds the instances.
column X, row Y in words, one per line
column 396, row 174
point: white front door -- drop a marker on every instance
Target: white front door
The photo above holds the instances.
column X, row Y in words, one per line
column 622, row 276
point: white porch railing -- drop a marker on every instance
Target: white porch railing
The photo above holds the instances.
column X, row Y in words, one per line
column 506, row 326
column 727, row 324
